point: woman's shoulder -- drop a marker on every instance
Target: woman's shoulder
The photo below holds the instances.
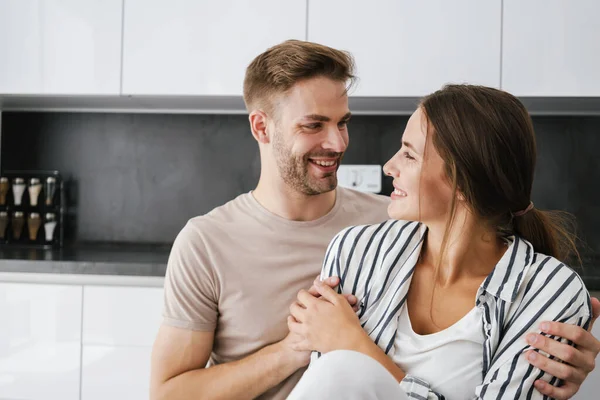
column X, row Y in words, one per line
column 549, row 271
column 387, row 231
column 551, row 281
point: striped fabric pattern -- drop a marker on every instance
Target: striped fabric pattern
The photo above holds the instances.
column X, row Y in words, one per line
column 376, row 263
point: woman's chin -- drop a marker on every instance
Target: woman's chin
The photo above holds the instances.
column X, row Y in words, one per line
column 400, row 213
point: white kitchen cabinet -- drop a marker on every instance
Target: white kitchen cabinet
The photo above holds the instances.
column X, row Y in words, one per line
column 119, row 328
column 110, row 372
column 40, row 341
column 412, row 48
column 551, row 48
column 201, row 47
column 60, row 47
column 121, row 316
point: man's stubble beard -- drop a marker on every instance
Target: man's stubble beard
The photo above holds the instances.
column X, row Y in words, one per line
column 294, row 170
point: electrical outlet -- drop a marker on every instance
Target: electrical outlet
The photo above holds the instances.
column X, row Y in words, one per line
column 364, row 178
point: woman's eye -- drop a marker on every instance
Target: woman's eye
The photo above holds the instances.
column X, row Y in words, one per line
column 407, row 155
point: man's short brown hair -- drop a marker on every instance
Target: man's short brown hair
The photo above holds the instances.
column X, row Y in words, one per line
column 282, row 66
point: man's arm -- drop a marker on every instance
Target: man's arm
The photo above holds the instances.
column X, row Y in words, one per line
column 178, row 368
column 185, row 341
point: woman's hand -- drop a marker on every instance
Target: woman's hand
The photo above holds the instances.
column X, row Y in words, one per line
column 327, row 323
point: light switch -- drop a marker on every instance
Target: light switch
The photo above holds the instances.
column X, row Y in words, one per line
column 364, row 178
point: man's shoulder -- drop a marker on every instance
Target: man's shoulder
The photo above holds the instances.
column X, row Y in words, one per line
column 223, row 213
column 364, row 198
column 198, row 228
column 363, row 208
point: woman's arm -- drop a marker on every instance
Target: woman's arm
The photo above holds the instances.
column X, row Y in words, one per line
column 571, row 364
column 329, row 323
column 510, row 374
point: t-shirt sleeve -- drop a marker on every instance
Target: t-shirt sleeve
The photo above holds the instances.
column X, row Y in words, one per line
column 191, row 292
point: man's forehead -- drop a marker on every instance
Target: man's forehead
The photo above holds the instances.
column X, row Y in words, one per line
column 315, row 100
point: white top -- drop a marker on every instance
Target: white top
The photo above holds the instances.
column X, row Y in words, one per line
column 376, row 264
column 450, row 359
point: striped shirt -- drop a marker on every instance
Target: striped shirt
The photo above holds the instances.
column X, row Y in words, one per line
column 376, row 263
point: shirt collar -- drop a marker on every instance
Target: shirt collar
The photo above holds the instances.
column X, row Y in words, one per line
column 505, row 280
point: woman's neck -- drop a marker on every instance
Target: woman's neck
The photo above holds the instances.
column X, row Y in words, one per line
column 471, row 250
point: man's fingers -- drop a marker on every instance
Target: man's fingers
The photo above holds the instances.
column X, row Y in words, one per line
column 562, row 351
column 564, row 392
column 555, row 368
column 595, row 311
column 582, row 338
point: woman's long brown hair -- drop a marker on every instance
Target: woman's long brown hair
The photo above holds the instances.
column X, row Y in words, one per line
column 486, row 138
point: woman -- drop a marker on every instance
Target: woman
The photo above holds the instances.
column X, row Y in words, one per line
column 445, row 300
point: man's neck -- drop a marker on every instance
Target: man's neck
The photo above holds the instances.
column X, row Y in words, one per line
column 290, row 204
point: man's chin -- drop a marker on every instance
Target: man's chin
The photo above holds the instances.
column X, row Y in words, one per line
column 323, row 186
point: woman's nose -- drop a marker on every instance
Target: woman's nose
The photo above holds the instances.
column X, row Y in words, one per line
column 388, row 169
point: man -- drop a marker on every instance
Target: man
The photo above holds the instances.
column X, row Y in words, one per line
column 233, row 272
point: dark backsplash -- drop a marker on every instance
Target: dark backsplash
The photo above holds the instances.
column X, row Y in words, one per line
column 140, row 177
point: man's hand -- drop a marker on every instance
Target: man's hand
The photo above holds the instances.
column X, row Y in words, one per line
column 578, row 361
column 332, row 282
column 291, row 346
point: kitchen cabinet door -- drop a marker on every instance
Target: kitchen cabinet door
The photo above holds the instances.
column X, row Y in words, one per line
column 40, row 341
column 412, row 48
column 110, row 372
column 201, row 47
column 551, row 48
column 60, row 46
column 119, row 327
column 121, row 315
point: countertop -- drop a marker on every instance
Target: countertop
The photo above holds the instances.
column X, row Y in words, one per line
column 95, row 259
column 108, row 262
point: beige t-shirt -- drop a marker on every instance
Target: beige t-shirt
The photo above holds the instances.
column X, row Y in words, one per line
column 237, row 269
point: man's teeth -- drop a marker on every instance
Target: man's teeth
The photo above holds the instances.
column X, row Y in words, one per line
column 324, row 163
column 399, row 192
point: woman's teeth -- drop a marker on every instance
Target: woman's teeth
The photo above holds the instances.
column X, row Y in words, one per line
column 399, row 192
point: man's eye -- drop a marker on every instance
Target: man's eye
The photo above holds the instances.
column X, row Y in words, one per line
column 313, row 126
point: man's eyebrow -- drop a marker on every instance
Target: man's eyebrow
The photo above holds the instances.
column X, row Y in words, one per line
column 323, row 118
column 317, row 117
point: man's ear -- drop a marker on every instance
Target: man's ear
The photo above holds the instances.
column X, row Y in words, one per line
column 258, row 125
